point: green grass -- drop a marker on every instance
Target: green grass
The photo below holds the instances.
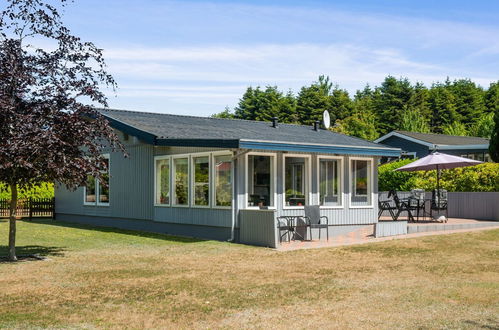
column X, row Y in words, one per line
column 108, row 278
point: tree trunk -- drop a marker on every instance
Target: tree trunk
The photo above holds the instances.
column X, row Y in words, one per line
column 12, row 223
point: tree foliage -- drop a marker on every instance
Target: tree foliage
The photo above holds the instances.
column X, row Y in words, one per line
column 458, row 107
column 49, row 84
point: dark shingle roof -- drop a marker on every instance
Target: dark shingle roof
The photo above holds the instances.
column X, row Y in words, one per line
column 442, row 139
column 168, row 128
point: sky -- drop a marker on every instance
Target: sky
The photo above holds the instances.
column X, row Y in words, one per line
column 197, row 57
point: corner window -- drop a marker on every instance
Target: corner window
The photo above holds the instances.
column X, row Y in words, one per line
column 181, row 181
column 96, row 191
column 201, row 180
column 223, row 180
column 330, row 189
column 361, row 177
column 162, row 168
column 260, row 180
column 295, row 181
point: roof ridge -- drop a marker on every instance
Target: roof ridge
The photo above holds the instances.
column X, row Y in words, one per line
column 214, row 118
column 439, row 134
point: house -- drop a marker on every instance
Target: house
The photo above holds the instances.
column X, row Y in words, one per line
column 418, row 145
column 219, row 178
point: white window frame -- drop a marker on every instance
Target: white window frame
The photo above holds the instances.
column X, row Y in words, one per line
column 97, row 186
column 173, row 171
column 308, row 181
column 342, row 181
column 192, row 180
column 156, row 158
column 213, row 184
column 351, row 175
column 273, row 179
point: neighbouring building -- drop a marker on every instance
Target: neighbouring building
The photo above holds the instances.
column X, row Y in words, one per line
column 418, row 145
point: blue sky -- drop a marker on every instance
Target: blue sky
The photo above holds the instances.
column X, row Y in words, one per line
column 196, row 57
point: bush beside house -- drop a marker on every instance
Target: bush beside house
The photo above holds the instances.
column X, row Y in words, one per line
column 483, row 177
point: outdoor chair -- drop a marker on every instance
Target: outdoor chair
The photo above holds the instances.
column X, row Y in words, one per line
column 284, row 227
column 402, row 206
column 387, row 205
column 417, row 201
column 439, row 202
column 315, row 220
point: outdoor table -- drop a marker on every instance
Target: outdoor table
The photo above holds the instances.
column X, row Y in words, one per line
column 292, row 225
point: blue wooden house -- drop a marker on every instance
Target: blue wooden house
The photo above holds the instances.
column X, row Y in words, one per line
column 418, row 145
column 227, row 179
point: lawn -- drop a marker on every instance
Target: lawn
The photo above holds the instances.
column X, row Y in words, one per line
column 107, row 278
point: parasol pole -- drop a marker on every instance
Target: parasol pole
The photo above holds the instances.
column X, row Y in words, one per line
column 438, row 181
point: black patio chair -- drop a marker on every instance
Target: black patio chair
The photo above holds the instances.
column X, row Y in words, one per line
column 315, row 220
column 403, row 206
column 284, row 224
column 387, row 205
column 439, row 202
column 417, row 202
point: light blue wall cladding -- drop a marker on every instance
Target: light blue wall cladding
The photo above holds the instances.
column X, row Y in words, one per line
column 130, row 183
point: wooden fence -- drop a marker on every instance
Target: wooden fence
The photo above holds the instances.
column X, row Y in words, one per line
column 30, row 208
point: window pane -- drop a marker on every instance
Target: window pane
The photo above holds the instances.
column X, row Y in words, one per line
column 260, row 178
column 201, row 180
column 104, row 184
column 295, row 181
column 181, row 168
column 163, row 181
column 104, row 189
column 330, row 182
column 223, row 181
column 90, row 190
column 361, row 185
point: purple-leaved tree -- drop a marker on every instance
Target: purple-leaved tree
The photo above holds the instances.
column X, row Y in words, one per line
column 49, row 85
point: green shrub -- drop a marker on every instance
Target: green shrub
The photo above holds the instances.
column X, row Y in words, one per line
column 46, row 190
column 483, row 177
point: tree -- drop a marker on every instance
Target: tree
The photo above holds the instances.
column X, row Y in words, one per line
column 389, row 102
column 258, row 104
column 49, row 85
column 443, row 107
column 469, row 98
column 226, row 114
column 492, row 102
column 360, row 124
column 484, row 126
column 414, row 121
column 456, row 128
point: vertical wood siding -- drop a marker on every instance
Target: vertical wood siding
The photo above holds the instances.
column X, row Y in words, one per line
column 258, row 227
column 390, row 228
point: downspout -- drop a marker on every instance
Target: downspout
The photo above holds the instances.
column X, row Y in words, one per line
column 234, row 199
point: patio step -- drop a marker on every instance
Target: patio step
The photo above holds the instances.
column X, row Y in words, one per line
column 416, row 228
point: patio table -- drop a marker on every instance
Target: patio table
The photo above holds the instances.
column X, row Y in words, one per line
column 292, row 226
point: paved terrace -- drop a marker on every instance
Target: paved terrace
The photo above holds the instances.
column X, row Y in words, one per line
column 417, row 229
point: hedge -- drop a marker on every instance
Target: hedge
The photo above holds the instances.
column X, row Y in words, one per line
column 46, row 190
column 483, row 177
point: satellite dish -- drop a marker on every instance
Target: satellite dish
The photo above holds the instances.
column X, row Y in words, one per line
column 326, row 120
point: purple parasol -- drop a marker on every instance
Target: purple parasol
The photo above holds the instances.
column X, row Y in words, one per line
column 438, row 161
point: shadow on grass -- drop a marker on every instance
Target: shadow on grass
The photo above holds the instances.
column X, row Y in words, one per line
column 165, row 237
column 491, row 324
column 29, row 250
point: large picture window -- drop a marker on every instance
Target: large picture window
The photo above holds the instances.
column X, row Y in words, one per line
column 96, row 191
column 330, row 189
column 181, row 181
column 295, row 181
column 361, row 177
column 223, row 180
column 201, row 180
column 163, row 181
column 260, row 180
